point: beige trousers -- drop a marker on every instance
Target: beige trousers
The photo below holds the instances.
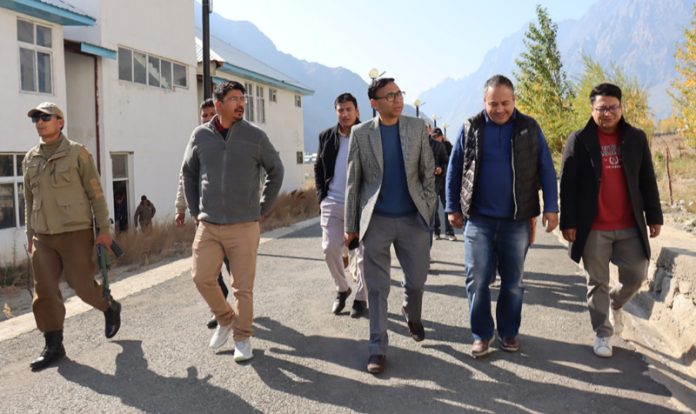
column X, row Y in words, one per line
column 239, row 242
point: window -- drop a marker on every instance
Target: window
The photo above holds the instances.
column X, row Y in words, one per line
column 125, row 64
column 180, row 75
column 166, row 74
column 272, row 95
column 260, row 105
column 249, row 110
column 147, row 69
column 11, row 191
column 298, row 101
column 153, row 71
column 35, row 68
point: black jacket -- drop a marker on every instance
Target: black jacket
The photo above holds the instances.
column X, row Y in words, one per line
column 525, row 149
column 581, row 174
column 441, row 160
column 326, row 160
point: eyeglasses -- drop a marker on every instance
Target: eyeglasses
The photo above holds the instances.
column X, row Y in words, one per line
column 44, row 117
column 391, row 96
column 604, row 109
column 236, row 99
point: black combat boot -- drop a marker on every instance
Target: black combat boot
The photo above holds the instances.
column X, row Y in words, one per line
column 112, row 319
column 52, row 352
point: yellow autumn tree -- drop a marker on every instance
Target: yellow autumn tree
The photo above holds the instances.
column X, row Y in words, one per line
column 684, row 94
column 634, row 97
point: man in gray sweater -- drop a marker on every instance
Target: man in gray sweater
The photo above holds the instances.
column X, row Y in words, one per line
column 222, row 169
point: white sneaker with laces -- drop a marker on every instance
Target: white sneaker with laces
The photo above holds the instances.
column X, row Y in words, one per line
column 243, row 351
column 220, row 336
column 616, row 319
column 602, row 346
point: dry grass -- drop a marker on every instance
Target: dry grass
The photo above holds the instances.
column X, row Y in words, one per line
column 683, row 171
column 291, row 208
column 167, row 240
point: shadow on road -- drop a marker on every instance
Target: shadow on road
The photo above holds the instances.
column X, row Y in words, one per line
column 138, row 387
column 449, row 381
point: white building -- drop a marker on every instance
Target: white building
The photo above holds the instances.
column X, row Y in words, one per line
column 274, row 102
column 125, row 76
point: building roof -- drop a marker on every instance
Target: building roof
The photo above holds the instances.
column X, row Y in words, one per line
column 236, row 62
column 55, row 11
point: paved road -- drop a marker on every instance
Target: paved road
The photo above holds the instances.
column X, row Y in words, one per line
column 309, row 361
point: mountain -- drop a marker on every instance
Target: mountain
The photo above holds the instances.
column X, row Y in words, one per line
column 639, row 36
column 327, row 82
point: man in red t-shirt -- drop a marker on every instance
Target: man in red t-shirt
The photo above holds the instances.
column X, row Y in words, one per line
column 609, row 201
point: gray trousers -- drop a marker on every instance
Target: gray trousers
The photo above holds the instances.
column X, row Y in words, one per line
column 624, row 249
column 410, row 236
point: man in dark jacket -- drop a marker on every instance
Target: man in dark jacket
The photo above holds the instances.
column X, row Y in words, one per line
column 493, row 180
column 330, row 172
column 609, row 199
column 437, row 142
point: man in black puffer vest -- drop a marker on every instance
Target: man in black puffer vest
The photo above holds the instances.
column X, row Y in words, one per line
column 497, row 165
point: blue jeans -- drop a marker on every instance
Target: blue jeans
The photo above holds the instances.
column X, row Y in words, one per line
column 491, row 245
column 436, row 226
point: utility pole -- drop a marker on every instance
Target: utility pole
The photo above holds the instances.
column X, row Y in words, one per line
column 206, row 49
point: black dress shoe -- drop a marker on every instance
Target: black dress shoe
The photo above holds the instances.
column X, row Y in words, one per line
column 376, row 363
column 416, row 328
column 52, row 352
column 112, row 319
column 359, row 309
column 340, row 301
column 212, row 323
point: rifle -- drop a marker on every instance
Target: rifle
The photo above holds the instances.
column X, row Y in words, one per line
column 30, row 275
column 104, row 267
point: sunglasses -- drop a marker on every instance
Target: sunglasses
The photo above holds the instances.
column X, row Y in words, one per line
column 44, row 117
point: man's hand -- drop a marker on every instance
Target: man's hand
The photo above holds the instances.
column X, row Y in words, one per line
column 456, row 220
column 569, row 234
column 105, row 240
column 532, row 230
column 438, row 170
column 348, row 237
column 180, row 219
column 654, row 229
column 550, row 221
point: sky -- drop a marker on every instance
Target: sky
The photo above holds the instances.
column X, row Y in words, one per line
column 418, row 43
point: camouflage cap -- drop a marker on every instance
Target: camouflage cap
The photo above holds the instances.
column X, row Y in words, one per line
column 46, row 108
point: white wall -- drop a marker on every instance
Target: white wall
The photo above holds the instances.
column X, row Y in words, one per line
column 17, row 133
column 285, row 126
column 80, row 89
column 152, row 123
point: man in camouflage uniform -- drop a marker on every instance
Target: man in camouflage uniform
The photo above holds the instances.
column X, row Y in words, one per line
column 63, row 197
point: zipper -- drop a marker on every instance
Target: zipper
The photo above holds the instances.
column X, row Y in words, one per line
column 512, row 162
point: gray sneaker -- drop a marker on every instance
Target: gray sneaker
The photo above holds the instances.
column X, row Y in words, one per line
column 602, row 347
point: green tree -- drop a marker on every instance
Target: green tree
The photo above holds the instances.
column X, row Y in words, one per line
column 634, row 98
column 684, row 96
column 543, row 90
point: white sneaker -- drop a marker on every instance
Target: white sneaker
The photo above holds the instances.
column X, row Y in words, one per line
column 616, row 319
column 220, row 336
column 602, row 346
column 243, row 351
